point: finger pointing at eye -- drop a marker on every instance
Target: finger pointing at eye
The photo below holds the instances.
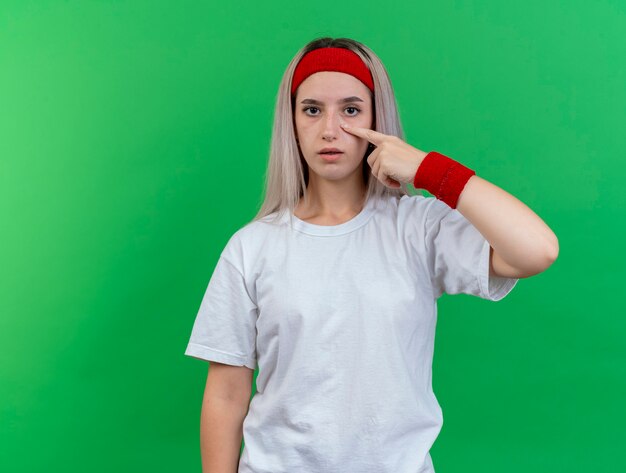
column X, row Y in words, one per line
column 394, row 161
column 372, row 136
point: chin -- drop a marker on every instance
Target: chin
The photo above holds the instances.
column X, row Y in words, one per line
column 337, row 171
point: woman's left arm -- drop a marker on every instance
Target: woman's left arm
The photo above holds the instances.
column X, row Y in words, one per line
column 522, row 244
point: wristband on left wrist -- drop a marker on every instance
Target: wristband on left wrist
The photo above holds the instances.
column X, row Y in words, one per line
column 443, row 177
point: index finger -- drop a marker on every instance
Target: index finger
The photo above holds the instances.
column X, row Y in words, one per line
column 370, row 135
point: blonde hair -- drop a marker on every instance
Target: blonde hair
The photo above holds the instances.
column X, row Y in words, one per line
column 287, row 171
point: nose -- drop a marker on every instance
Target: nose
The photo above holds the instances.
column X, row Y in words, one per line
column 331, row 126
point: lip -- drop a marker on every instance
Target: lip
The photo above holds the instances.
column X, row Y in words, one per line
column 331, row 157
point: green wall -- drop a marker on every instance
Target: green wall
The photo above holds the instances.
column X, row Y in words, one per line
column 133, row 142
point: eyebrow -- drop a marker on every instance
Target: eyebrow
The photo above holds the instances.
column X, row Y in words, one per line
column 354, row 98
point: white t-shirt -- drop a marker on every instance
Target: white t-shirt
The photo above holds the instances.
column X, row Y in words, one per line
column 340, row 320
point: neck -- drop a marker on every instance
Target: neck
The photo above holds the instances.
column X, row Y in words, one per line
column 332, row 200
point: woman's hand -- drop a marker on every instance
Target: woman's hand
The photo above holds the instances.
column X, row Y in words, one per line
column 393, row 161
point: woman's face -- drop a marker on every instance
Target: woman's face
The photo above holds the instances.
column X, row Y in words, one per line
column 323, row 101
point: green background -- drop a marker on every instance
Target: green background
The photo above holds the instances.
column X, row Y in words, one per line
column 133, row 141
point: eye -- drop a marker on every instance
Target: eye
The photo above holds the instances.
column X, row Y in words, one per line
column 309, row 108
column 306, row 109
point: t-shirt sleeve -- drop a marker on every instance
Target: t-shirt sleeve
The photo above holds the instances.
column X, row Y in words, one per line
column 458, row 255
column 225, row 326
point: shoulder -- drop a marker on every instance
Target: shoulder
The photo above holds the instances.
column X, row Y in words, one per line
column 403, row 217
column 259, row 230
column 250, row 239
column 412, row 201
column 418, row 209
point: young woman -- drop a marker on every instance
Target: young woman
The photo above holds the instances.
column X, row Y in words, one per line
column 331, row 290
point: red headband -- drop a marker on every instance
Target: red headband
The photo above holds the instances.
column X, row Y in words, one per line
column 331, row 59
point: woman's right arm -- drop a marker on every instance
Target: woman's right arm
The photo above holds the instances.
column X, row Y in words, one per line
column 224, row 407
